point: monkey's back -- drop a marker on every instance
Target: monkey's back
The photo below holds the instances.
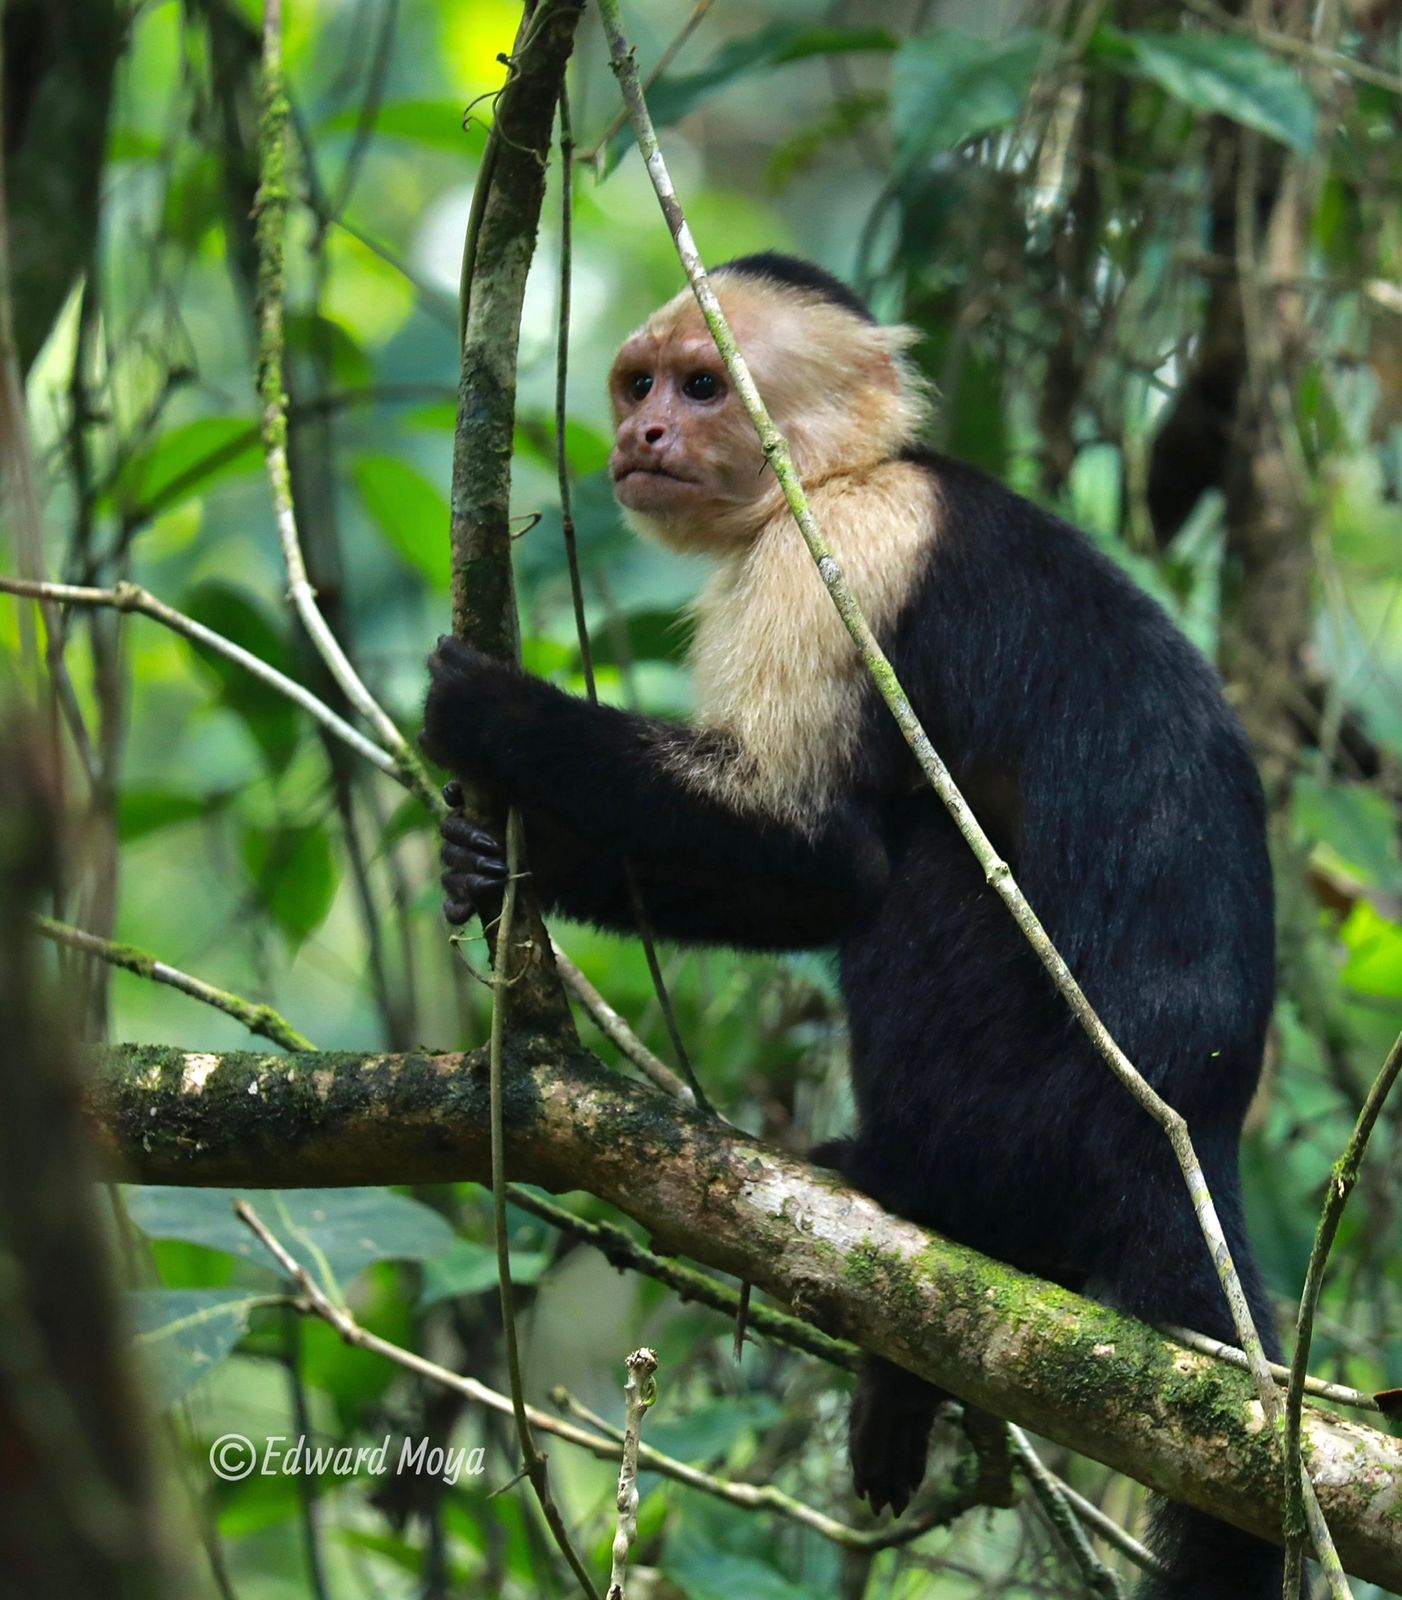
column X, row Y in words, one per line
column 1098, row 749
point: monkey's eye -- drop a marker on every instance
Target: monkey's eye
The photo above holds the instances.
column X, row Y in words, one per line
column 701, row 386
column 640, row 385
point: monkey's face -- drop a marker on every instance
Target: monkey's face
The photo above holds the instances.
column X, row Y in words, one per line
column 686, row 462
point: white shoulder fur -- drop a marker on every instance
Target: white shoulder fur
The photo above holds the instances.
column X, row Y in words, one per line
column 774, row 665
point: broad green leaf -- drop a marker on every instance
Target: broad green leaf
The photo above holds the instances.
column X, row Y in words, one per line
column 183, row 1334
column 774, row 46
column 949, row 87
column 1214, row 75
column 1356, row 826
column 323, row 339
column 1374, row 966
column 411, row 513
column 334, row 1233
column 132, row 144
column 189, row 461
column 143, row 811
column 712, row 1431
column 651, row 634
column 677, row 95
column 294, row 871
column 703, row 1570
column 471, row 1268
column 239, row 615
column 437, row 123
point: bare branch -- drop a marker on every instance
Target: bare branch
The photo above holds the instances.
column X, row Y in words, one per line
column 260, row 1019
column 1063, row 1517
column 270, row 210
column 639, row 1392
column 131, row 597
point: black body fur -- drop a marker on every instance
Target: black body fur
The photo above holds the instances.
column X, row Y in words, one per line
column 1096, row 747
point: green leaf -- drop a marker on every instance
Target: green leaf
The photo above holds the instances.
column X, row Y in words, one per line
column 182, row 1335
column 1374, row 966
column 436, row 123
column 1212, row 75
column 676, row 96
column 1356, row 826
column 132, row 144
column 334, row 1233
column 143, row 811
column 410, row 512
column 240, row 616
column 710, row 1433
column 470, row 1268
column 704, row 1571
column 322, row 339
column 294, row 870
column 949, row 87
column 188, row 461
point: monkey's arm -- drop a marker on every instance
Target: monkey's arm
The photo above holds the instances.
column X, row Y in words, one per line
column 598, row 785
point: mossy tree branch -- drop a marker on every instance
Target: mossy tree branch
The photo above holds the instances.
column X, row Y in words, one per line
column 497, row 254
column 1048, row 1360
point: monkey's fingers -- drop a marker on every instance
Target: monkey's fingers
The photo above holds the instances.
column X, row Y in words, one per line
column 458, row 912
column 889, row 1434
column 462, row 831
column 452, row 793
column 464, row 892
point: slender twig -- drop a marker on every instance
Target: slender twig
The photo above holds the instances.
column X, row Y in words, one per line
column 1342, row 1178
column 624, row 1252
column 16, row 458
column 131, row 597
column 1301, row 49
column 689, row 1082
column 950, row 1501
column 562, row 373
column 19, row 504
column 593, row 158
column 1062, row 1516
column 307, row 1482
column 260, row 1019
column 639, row 1392
column 315, row 1302
column 613, row 1027
column 380, row 52
column 270, row 211
column 996, row 870
column 1340, row 1393
column 1106, row 1526
column 506, row 965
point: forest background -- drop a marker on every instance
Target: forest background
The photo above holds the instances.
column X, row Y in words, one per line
column 1154, row 254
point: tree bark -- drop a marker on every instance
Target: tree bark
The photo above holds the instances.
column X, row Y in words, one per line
column 1064, row 1366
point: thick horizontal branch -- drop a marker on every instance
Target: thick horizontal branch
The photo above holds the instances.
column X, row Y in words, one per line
column 1028, row 1351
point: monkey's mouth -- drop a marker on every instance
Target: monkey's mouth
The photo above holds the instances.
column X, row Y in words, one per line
column 651, row 490
column 659, row 473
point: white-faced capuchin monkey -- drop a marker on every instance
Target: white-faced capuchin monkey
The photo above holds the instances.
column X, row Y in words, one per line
column 1092, row 741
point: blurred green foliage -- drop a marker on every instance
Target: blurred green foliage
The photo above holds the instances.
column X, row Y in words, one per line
column 937, row 156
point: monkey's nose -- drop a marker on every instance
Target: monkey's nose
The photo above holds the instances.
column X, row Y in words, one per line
column 655, row 434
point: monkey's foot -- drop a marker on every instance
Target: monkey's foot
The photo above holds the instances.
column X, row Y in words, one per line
column 889, row 1433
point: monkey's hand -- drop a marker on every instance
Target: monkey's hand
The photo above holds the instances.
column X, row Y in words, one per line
column 474, row 862
column 468, row 699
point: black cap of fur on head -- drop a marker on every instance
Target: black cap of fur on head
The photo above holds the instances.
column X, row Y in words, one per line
column 800, row 274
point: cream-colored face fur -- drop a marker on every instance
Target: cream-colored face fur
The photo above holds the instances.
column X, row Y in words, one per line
column 686, row 464
column 775, row 670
